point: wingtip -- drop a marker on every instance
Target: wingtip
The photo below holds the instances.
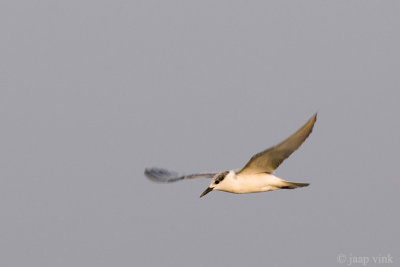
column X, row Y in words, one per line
column 147, row 172
column 160, row 175
column 315, row 115
column 313, row 119
column 153, row 174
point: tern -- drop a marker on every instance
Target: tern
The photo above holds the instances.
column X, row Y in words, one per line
column 256, row 176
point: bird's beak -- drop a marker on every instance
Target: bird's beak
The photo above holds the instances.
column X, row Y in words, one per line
column 208, row 190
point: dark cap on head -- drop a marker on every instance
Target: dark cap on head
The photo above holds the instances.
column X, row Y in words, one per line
column 220, row 177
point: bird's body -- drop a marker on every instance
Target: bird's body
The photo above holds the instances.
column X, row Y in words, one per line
column 255, row 176
column 253, row 183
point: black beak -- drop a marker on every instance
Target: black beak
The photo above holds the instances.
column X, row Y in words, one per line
column 208, row 190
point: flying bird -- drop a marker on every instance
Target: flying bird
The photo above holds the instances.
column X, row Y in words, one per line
column 256, row 176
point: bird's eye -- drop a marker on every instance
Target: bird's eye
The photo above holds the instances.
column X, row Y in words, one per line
column 216, row 182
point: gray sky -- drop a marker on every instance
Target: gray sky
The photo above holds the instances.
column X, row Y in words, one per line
column 92, row 92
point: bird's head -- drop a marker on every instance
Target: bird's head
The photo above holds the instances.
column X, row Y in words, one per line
column 216, row 183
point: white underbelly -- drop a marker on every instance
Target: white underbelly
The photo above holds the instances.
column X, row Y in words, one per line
column 255, row 183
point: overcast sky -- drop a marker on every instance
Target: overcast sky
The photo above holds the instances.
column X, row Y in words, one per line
column 92, row 92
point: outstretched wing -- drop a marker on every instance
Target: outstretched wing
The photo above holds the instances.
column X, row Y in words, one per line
column 268, row 160
column 165, row 176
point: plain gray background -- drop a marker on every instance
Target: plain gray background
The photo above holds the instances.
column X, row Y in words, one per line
column 92, row 92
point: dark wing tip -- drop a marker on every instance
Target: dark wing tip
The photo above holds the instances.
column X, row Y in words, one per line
column 310, row 123
column 161, row 175
column 314, row 117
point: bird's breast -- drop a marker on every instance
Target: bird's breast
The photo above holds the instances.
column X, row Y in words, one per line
column 242, row 184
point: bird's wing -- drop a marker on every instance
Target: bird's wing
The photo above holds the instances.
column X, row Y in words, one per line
column 268, row 160
column 165, row 176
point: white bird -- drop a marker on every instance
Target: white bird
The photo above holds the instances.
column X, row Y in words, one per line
column 255, row 176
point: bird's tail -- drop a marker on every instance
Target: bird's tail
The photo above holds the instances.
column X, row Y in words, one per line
column 293, row 185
